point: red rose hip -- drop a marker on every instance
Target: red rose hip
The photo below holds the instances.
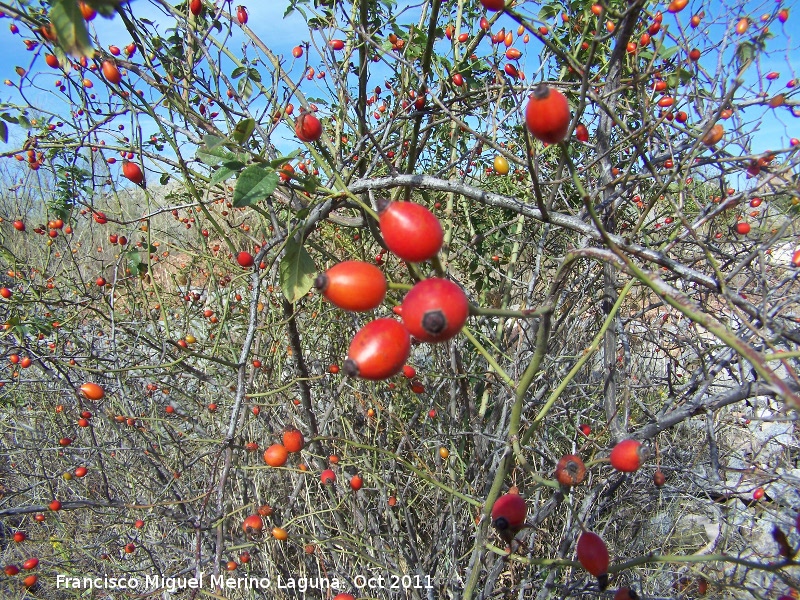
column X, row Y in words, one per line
column 435, row 310
column 547, row 115
column 353, row 285
column 508, row 515
column 378, row 351
column 593, row 556
column 627, row 456
column 410, row 230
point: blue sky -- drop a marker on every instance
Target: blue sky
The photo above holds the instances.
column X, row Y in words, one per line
column 282, row 34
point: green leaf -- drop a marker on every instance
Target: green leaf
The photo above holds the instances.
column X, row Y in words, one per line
column 164, row 179
column 310, row 184
column 664, row 53
column 297, row 271
column 254, row 75
column 245, row 88
column 70, row 28
column 744, row 55
column 135, row 262
column 238, row 72
column 279, row 162
column 3, row 132
column 213, row 151
column 221, row 174
column 254, row 184
column 243, row 130
column 212, row 142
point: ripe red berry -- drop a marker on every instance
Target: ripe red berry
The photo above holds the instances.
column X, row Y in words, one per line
column 593, row 556
column 410, row 230
column 195, row 6
column 245, row 259
column 435, row 310
column 508, row 515
column 327, row 477
column 378, row 351
column 627, row 456
column 353, row 285
column 276, row 455
column 570, row 470
column 581, row 133
column 20, row 536
column 241, row 15
column 133, row 172
column 19, row 225
column 293, row 440
column 31, row 563
column 253, row 525
column 11, row 570
column 409, row 372
column 356, row 482
column 742, row 228
column 547, row 115
column 307, row 127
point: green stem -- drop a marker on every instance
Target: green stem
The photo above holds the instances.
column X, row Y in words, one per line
column 593, row 347
column 489, row 358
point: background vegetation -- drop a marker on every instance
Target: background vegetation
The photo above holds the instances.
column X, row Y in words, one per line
column 615, row 294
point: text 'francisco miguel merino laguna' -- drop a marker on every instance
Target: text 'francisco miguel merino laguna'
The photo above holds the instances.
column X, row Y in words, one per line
column 157, row 582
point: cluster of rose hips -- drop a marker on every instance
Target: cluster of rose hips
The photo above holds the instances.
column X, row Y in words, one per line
column 510, row 510
column 434, row 310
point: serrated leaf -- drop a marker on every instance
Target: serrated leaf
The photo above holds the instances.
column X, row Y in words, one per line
column 664, row 52
column 220, row 175
column 70, row 27
column 254, row 183
column 3, row 132
column 310, row 184
column 245, row 88
column 297, row 271
column 279, row 162
column 243, row 130
column 7, row 255
column 254, row 75
column 744, row 55
column 134, row 260
column 212, row 142
column 214, row 152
